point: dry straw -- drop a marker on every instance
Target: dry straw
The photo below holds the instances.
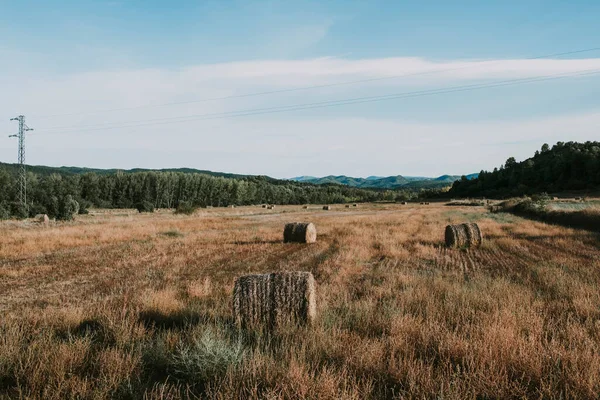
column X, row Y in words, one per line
column 327, row 208
column 300, row 232
column 463, row 235
column 274, row 299
column 347, row 205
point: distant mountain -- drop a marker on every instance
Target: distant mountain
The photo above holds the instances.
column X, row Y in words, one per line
column 389, row 182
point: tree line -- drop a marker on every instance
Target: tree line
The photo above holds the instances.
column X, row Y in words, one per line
column 565, row 166
column 55, row 194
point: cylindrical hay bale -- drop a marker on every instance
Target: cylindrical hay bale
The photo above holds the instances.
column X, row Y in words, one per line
column 305, row 207
column 252, row 300
column 264, row 206
column 273, row 299
column 463, row 235
column 42, row 219
column 327, row 208
column 293, row 297
column 299, row 232
column 403, row 203
column 354, row 205
column 269, row 207
column 347, row 205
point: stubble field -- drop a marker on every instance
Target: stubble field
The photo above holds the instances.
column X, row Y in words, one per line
column 125, row 305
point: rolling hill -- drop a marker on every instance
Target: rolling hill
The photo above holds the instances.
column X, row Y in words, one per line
column 389, row 182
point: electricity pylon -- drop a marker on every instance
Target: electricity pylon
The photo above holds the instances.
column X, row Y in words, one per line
column 22, row 170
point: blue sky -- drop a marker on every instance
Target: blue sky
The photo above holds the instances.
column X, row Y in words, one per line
column 63, row 61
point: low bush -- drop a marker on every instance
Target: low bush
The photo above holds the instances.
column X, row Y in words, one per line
column 145, row 207
column 185, row 207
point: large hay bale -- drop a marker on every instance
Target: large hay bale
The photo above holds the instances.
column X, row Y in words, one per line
column 300, row 232
column 269, row 207
column 274, row 299
column 42, row 219
column 403, row 203
column 327, row 208
column 347, row 205
column 305, row 207
column 463, row 235
column 354, row 205
column 264, row 206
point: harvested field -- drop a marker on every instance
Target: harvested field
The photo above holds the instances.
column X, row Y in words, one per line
column 125, row 305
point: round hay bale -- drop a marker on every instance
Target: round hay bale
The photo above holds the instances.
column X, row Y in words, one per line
column 463, row 235
column 300, row 232
column 305, row 207
column 403, row 203
column 274, row 299
column 42, row 219
column 354, row 205
column 269, row 207
column 347, row 205
column 326, row 208
column 264, row 206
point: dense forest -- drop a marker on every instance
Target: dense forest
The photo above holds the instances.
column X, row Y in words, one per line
column 62, row 194
column 565, row 166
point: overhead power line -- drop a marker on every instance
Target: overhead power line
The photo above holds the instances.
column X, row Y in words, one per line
column 346, row 83
column 306, row 106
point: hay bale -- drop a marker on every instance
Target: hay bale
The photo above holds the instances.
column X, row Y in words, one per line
column 264, row 206
column 326, row 208
column 463, row 235
column 42, row 219
column 269, row 207
column 274, row 299
column 347, row 205
column 354, row 205
column 305, row 207
column 426, row 203
column 403, row 203
column 555, row 198
column 233, row 206
column 300, row 232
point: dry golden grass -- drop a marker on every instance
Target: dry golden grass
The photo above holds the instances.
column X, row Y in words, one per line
column 124, row 305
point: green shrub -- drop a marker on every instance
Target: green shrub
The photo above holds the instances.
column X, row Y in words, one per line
column 185, row 207
column 36, row 209
column 145, row 206
column 4, row 211
column 206, row 358
column 18, row 210
column 68, row 207
column 84, row 205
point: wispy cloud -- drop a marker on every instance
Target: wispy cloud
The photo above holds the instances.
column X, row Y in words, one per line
column 320, row 69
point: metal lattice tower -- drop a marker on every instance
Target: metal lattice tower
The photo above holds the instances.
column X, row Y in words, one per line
column 22, row 169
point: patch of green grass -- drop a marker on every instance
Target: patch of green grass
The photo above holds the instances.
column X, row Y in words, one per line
column 502, row 217
column 172, row 234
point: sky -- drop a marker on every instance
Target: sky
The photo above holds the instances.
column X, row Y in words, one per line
column 290, row 88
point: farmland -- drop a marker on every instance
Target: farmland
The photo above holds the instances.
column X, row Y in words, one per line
column 128, row 305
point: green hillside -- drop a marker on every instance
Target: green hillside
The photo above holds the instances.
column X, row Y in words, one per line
column 565, row 166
